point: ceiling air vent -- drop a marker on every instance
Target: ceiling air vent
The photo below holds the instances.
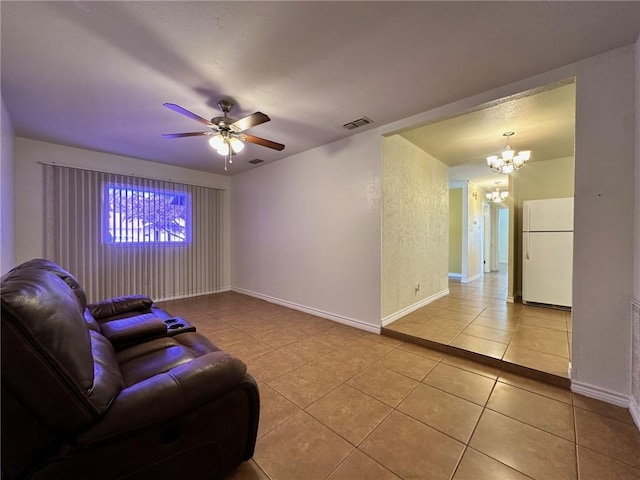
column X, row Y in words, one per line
column 357, row 123
column 256, row 161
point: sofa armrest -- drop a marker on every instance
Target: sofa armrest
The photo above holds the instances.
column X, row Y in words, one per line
column 119, row 305
column 168, row 395
column 127, row 331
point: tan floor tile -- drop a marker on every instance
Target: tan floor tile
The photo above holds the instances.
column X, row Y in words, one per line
column 541, row 388
column 281, row 337
column 340, row 363
column 462, row 308
column 512, row 443
column 488, row 333
column 456, row 316
column 349, row 412
column 408, row 364
column 274, row 409
column 230, row 336
column 438, row 329
column 552, row 323
column 304, row 385
column 475, row 300
column 533, row 409
column 485, row 347
column 411, row 449
column 543, row 312
column 336, row 337
column 543, row 340
column 594, row 466
column 471, row 366
column 367, row 350
column 382, row 384
column 361, row 467
column 249, row 348
column 537, row 360
column 271, row 365
column 422, row 351
column 508, row 325
column 444, row 412
column 477, row 466
column 401, row 325
column 606, row 409
column 468, row 385
column 420, row 316
column 307, row 349
column 301, row 448
column 610, row 437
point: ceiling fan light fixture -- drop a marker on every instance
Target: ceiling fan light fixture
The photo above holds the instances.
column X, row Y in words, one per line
column 217, row 141
column 236, row 145
column 223, row 149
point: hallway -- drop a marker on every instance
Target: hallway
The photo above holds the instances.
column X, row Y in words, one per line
column 475, row 321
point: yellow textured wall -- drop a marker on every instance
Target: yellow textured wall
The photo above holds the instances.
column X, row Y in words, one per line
column 415, row 225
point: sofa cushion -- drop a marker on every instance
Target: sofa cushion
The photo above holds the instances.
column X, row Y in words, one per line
column 154, row 357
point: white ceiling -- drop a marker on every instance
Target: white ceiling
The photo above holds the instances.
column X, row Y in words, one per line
column 542, row 121
column 95, row 74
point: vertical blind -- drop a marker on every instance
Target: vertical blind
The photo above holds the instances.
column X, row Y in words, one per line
column 121, row 235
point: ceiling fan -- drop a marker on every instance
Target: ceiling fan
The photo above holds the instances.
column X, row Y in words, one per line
column 227, row 134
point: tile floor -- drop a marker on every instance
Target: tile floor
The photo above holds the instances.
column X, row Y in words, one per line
column 476, row 318
column 340, row 403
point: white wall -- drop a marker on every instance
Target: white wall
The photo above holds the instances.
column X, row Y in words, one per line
column 636, row 249
column 503, row 235
column 306, row 231
column 29, row 197
column 635, row 406
column 7, row 225
column 475, row 234
column 604, row 222
column 415, row 226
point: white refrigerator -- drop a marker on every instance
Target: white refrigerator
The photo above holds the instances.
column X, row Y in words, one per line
column 547, row 251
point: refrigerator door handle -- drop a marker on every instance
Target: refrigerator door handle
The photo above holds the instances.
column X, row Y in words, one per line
column 528, row 214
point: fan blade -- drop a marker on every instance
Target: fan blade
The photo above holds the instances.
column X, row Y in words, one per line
column 249, row 121
column 181, row 135
column 263, row 142
column 187, row 113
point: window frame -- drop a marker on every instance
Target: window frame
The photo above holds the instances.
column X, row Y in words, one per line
column 108, row 236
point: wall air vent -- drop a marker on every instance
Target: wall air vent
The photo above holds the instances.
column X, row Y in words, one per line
column 256, row 161
column 357, row 123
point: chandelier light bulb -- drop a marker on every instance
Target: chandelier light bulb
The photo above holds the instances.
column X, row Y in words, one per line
column 508, row 161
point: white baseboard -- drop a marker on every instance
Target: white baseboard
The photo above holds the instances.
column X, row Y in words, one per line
column 634, row 409
column 196, row 294
column 471, row 279
column 313, row 311
column 455, row 275
column 601, row 394
column 412, row 308
column 511, row 299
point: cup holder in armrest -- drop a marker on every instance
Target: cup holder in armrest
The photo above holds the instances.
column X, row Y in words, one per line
column 177, row 325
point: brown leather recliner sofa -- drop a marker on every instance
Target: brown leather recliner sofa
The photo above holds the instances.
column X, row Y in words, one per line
column 119, row 396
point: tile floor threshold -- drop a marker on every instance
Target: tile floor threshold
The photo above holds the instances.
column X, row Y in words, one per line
column 504, row 365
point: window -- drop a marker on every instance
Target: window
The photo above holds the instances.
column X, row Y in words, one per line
column 142, row 215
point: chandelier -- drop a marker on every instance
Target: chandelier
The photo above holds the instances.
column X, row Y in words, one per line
column 508, row 161
column 497, row 196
